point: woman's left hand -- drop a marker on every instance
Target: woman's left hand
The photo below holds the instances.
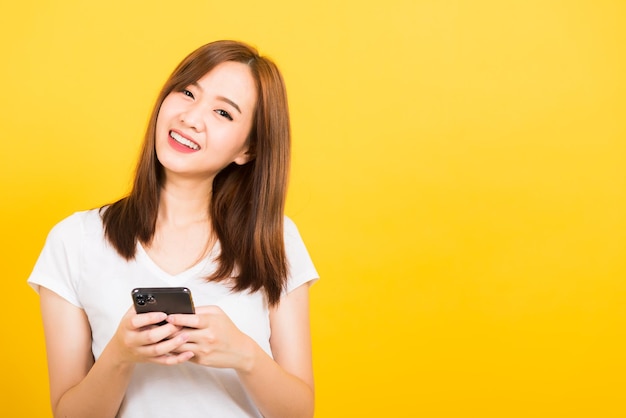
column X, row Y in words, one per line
column 214, row 339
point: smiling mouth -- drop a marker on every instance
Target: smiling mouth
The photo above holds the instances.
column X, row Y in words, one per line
column 184, row 141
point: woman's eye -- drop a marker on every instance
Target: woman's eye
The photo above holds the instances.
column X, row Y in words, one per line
column 187, row 93
column 224, row 114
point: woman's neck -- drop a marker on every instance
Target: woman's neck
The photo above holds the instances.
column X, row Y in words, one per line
column 183, row 203
column 183, row 234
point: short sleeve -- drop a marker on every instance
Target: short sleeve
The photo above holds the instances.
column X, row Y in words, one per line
column 301, row 268
column 57, row 267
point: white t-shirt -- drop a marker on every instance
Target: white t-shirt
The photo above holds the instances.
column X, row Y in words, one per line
column 79, row 264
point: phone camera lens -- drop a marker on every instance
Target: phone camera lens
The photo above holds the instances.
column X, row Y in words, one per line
column 141, row 300
column 151, row 299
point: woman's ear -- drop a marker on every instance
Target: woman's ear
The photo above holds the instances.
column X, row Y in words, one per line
column 245, row 157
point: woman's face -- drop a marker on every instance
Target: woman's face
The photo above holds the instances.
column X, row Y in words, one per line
column 203, row 128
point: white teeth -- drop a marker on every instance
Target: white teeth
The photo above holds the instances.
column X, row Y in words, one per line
column 184, row 141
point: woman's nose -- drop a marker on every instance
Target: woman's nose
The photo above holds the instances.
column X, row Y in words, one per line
column 192, row 116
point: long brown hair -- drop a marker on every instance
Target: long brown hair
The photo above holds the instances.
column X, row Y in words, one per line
column 247, row 205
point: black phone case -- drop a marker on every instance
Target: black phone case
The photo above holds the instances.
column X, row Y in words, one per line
column 171, row 300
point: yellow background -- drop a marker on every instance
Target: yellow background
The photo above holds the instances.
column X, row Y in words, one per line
column 459, row 178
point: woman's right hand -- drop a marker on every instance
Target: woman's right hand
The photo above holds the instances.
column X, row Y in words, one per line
column 83, row 387
column 139, row 339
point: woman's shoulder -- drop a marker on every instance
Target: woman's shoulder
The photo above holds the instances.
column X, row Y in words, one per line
column 289, row 227
column 301, row 266
column 79, row 223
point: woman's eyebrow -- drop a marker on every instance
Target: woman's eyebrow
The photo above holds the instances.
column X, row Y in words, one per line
column 230, row 102
column 222, row 98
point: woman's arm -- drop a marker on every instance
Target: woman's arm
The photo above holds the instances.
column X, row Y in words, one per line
column 70, row 360
column 280, row 387
column 78, row 386
column 284, row 387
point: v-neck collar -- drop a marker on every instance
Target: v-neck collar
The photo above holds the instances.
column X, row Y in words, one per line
column 182, row 277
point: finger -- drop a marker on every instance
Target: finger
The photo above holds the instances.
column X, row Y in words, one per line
column 163, row 347
column 190, row 347
column 145, row 319
column 173, row 358
column 209, row 309
column 200, row 319
column 187, row 320
column 158, row 333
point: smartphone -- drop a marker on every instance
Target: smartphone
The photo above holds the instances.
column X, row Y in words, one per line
column 171, row 300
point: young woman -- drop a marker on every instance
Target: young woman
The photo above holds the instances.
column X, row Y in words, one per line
column 206, row 211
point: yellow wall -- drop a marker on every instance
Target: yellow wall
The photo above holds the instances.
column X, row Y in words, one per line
column 459, row 177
